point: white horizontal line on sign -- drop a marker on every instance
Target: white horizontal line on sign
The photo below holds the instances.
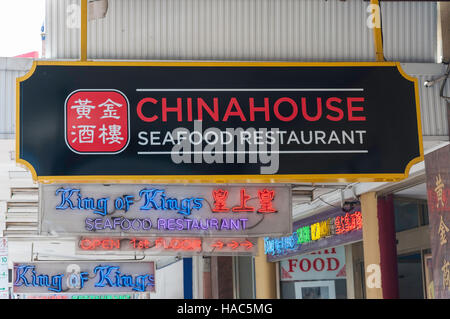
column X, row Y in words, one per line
column 256, row 152
column 251, row 89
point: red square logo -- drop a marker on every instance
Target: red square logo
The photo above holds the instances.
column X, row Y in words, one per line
column 97, row 121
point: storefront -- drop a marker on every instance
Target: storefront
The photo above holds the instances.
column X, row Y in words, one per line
column 207, row 229
column 413, row 243
column 156, row 132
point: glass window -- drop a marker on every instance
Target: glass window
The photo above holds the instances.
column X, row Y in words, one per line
column 424, row 215
column 410, row 276
column 244, row 277
column 406, row 215
column 287, row 289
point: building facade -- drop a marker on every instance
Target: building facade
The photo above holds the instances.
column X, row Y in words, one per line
column 393, row 249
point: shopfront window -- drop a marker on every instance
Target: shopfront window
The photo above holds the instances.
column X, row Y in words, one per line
column 412, row 243
column 244, row 277
column 406, row 215
column 410, row 276
column 424, row 215
column 410, row 213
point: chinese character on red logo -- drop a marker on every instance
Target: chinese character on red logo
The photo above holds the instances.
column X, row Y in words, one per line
column 97, row 121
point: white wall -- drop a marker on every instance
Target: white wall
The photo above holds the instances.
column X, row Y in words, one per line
column 295, row 30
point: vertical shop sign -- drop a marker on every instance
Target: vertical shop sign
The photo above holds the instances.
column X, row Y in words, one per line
column 437, row 166
column 4, row 294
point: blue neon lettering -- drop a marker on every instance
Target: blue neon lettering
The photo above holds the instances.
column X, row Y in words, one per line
column 20, row 275
column 107, row 276
column 163, row 201
column 172, row 203
column 86, row 203
column 141, row 284
column 185, row 207
column 129, row 200
column 102, row 206
column 197, row 203
column 153, row 199
column 65, row 198
column 117, row 275
column 281, row 245
column 118, row 203
column 55, row 284
column 33, row 278
column 84, row 276
column 149, row 200
column 126, row 280
column 122, row 280
column 104, row 272
column 156, row 199
column 43, row 280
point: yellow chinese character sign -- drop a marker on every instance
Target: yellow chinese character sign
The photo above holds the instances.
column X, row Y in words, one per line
column 437, row 166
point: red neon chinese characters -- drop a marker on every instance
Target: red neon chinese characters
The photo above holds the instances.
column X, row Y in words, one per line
column 347, row 223
column 265, row 200
column 220, row 196
column 265, row 197
column 358, row 217
column 243, row 207
column 340, row 228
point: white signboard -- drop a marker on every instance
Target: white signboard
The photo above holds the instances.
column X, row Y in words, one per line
column 169, row 210
column 319, row 265
column 84, row 277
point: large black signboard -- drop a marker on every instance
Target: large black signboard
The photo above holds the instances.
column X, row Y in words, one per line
column 183, row 122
